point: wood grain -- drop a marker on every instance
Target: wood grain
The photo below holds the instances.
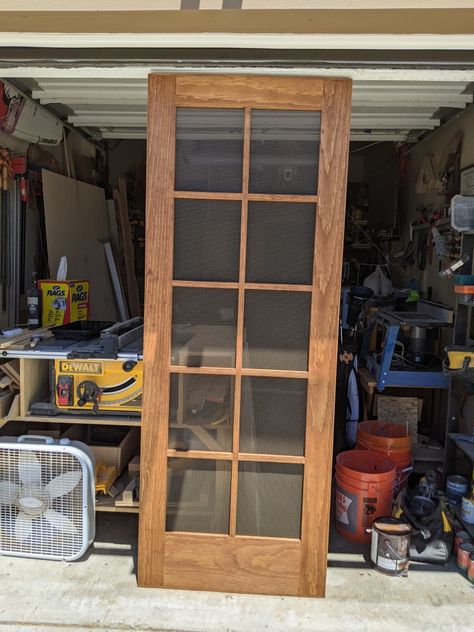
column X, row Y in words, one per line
column 275, row 93
column 217, row 370
column 230, row 562
column 157, row 329
column 234, row 480
column 216, row 285
column 279, row 287
column 206, row 195
column 278, row 197
column 223, row 563
column 253, row 197
column 270, row 458
column 231, row 285
column 200, row 454
column 332, row 181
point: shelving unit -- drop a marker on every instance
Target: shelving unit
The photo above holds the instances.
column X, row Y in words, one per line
column 461, row 337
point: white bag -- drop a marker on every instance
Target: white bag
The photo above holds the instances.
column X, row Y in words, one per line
column 379, row 282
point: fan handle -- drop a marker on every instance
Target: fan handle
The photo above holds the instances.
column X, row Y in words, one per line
column 35, row 438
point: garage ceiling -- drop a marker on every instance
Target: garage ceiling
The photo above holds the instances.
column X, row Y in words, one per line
column 382, row 110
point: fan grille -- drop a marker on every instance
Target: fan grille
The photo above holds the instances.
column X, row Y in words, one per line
column 27, row 525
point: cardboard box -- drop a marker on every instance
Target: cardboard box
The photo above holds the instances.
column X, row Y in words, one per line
column 116, row 456
column 64, row 301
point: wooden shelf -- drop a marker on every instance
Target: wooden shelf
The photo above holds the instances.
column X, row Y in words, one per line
column 78, row 419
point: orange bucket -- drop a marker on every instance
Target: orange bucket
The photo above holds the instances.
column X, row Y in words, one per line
column 389, row 439
column 364, row 490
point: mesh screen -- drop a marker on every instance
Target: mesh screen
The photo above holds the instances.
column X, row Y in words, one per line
column 206, row 240
column 204, row 327
column 198, row 495
column 269, row 499
column 41, row 514
column 273, row 415
column 201, row 412
column 280, row 243
column 284, row 152
column 209, row 149
column 276, row 330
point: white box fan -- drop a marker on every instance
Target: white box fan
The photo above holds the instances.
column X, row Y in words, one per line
column 47, row 495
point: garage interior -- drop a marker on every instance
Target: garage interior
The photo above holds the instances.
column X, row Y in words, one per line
column 411, row 151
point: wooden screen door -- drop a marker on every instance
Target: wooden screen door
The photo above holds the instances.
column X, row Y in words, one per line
column 246, row 191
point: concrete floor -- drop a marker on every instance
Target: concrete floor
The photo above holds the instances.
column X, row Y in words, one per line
column 100, row 593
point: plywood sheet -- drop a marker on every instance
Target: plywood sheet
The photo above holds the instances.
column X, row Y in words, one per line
column 76, row 222
column 401, row 410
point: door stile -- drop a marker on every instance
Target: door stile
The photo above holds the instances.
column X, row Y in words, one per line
column 234, row 481
column 157, row 328
column 322, row 361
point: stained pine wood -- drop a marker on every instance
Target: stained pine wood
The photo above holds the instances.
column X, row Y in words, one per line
column 234, row 482
column 253, row 197
column 201, row 454
column 279, row 287
column 217, row 370
column 279, row 197
column 231, row 562
column 231, row 285
column 240, row 564
column 223, row 285
column 270, row 458
column 332, row 183
column 206, row 195
column 157, row 328
column 234, row 91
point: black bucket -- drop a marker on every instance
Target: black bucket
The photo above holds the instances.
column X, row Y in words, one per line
column 390, row 548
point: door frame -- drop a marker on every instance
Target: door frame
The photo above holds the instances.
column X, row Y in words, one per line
column 231, row 562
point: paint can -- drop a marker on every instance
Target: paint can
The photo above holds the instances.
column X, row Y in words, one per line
column 464, row 552
column 456, row 488
column 460, row 538
column 390, row 547
column 470, row 569
column 467, row 510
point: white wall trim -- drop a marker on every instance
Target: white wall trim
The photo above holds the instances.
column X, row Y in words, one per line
column 78, row 71
column 241, row 40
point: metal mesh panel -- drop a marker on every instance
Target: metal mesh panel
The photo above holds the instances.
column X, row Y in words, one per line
column 41, row 515
column 201, row 412
column 209, row 149
column 206, row 240
column 273, row 415
column 269, row 499
column 198, row 495
column 276, row 330
column 280, row 243
column 284, row 152
column 204, row 327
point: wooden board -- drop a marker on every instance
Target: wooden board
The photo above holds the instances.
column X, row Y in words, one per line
column 76, row 222
column 275, row 93
column 258, row 565
column 157, row 329
column 405, row 411
column 121, row 205
column 332, row 182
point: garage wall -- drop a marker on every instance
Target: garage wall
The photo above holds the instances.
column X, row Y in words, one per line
column 435, row 145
